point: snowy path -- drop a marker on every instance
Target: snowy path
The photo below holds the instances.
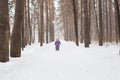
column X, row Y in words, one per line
column 70, row 63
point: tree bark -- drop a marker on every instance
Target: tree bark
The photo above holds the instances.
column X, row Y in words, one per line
column 86, row 24
column 46, row 21
column 81, row 30
column 29, row 25
column 100, row 25
column 75, row 21
column 42, row 23
column 17, row 29
column 4, row 31
column 117, row 16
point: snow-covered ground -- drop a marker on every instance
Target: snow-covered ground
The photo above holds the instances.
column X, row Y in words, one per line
column 70, row 63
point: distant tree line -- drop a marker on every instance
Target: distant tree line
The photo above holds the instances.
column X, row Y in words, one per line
column 90, row 20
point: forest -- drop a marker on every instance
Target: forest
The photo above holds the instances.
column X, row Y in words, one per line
column 23, row 22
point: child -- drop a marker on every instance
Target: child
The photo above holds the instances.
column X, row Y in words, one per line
column 57, row 44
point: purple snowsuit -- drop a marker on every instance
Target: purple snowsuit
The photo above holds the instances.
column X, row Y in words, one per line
column 57, row 44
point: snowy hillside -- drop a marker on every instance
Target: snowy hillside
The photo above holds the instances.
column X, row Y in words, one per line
column 70, row 63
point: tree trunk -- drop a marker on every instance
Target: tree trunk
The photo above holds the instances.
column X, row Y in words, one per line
column 25, row 24
column 42, row 23
column 110, row 21
column 96, row 18
column 86, row 24
column 100, row 25
column 4, row 31
column 81, row 30
column 17, row 29
column 23, row 29
column 107, row 21
column 29, row 25
column 117, row 16
column 89, row 17
column 51, row 18
column 75, row 21
column 46, row 21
